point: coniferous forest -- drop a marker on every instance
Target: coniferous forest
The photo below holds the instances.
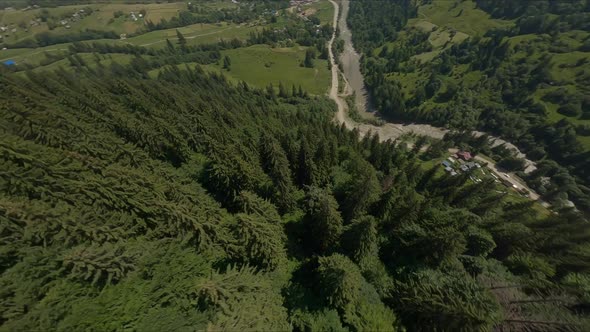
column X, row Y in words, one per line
column 184, row 201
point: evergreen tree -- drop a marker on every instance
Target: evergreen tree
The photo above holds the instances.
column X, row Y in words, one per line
column 306, row 167
column 242, row 299
column 169, row 46
column 283, row 91
column 259, row 243
column 226, row 63
column 322, row 219
column 452, row 301
column 309, row 56
column 275, row 163
column 360, row 240
column 360, row 191
column 181, row 41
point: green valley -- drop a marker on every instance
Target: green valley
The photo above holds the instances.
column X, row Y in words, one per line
column 520, row 72
column 216, row 165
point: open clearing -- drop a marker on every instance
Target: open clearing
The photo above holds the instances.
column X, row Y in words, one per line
column 323, row 10
column 462, row 16
column 102, row 18
column 260, row 65
column 195, row 34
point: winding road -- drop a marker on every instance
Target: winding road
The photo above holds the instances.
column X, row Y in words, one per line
column 350, row 61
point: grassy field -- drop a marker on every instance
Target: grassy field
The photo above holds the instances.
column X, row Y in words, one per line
column 101, row 18
column 30, row 55
column 260, row 65
column 90, row 59
column 323, row 10
column 195, row 34
column 449, row 23
column 462, row 16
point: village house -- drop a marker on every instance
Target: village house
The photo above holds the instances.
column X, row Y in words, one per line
column 464, row 155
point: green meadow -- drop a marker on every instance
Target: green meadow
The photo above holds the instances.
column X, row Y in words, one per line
column 261, row 65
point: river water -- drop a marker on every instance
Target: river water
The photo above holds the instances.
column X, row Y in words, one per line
column 350, row 61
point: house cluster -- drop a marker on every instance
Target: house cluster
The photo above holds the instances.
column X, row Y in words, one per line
column 135, row 16
column 460, row 162
column 6, row 30
column 78, row 15
column 35, row 22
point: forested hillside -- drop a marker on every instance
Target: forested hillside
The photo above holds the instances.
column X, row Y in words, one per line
column 516, row 69
column 185, row 202
column 143, row 188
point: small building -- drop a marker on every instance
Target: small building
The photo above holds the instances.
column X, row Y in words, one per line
column 448, row 169
column 465, row 155
column 446, row 163
column 9, row 63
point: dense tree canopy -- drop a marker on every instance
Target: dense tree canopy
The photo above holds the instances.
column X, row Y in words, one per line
column 184, row 201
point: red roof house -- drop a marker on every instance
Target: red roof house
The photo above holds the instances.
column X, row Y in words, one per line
column 464, row 155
